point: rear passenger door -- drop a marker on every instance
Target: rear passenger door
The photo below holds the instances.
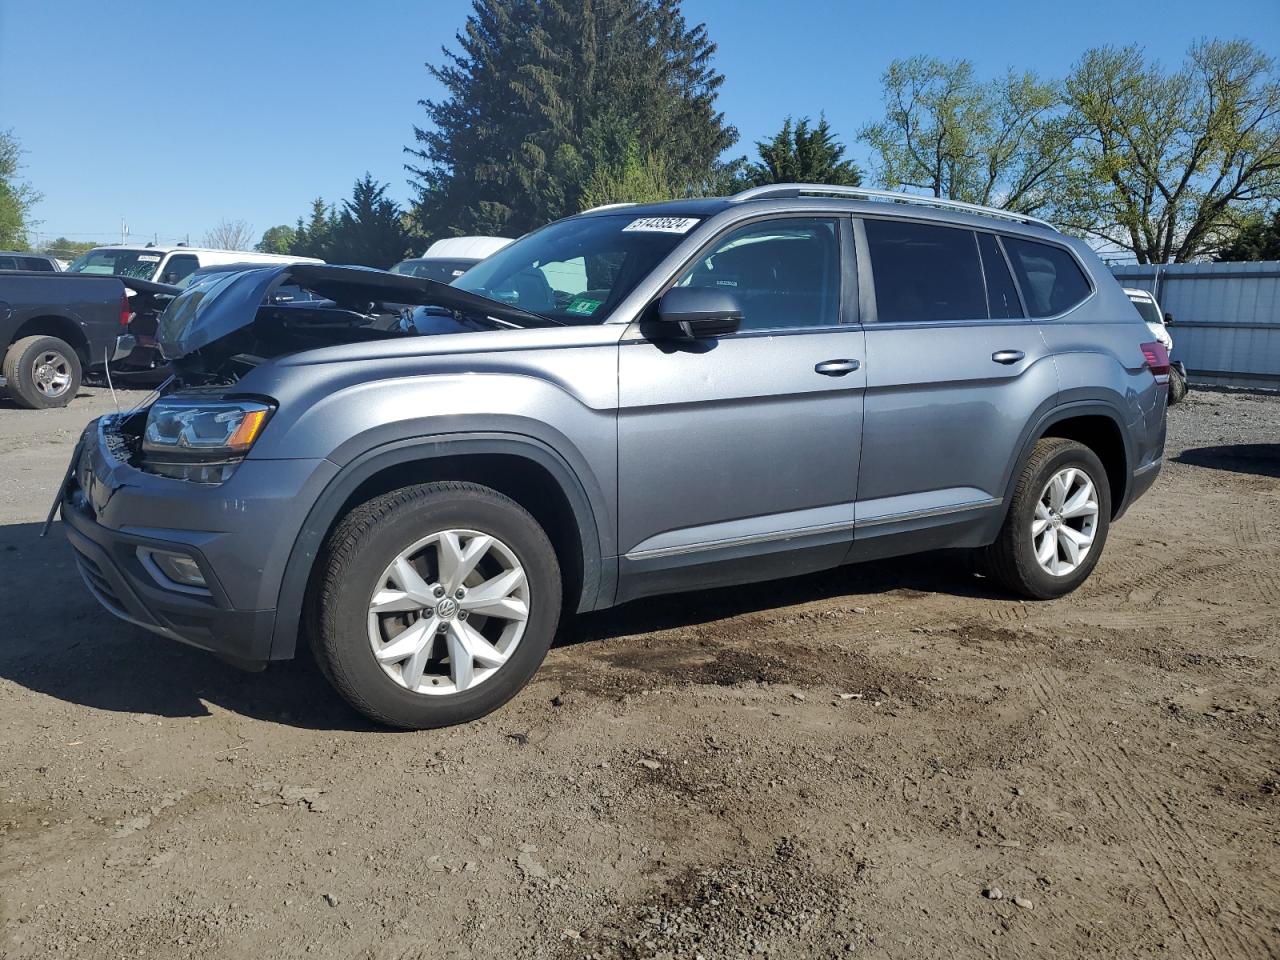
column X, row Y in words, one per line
column 955, row 371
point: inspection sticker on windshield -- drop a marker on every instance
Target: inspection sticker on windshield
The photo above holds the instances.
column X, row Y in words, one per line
column 148, row 258
column 661, row 225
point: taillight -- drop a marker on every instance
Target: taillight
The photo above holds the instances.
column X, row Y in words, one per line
column 124, row 310
column 1157, row 358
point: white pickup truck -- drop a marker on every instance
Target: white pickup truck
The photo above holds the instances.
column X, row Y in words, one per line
column 167, row 264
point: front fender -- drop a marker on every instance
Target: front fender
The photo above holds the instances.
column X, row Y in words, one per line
column 598, row 576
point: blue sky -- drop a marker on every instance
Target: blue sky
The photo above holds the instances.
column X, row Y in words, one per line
column 175, row 115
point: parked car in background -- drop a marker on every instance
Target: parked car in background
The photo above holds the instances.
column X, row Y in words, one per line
column 54, row 326
column 11, row 260
column 166, row 264
column 632, row 402
column 1157, row 322
column 448, row 259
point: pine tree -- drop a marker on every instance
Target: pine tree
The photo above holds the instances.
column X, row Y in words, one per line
column 801, row 154
column 547, row 96
column 1258, row 239
column 311, row 238
column 369, row 229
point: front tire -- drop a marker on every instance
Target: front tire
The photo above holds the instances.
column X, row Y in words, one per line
column 438, row 604
column 1057, row 522
column 42, row 372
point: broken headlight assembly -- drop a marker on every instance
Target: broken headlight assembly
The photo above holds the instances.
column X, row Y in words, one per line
column 200, row 440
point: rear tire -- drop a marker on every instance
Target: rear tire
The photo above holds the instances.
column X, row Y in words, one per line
column 395, row 635
column 42, row 372
column 1177, row 386
column 1023, row 559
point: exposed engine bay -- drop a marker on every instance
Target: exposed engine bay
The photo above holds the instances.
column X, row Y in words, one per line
column 215, row 331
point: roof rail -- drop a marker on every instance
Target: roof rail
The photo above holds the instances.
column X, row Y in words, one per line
column 785, row 190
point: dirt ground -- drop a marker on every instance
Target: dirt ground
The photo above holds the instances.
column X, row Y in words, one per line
column 844, row 765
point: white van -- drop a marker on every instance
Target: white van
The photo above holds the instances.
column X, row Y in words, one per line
column 448, row 259
column 167, row 264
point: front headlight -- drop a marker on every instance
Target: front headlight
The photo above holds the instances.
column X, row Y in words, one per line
column 201, row 440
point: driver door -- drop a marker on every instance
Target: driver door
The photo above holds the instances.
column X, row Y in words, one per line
column 738, row 455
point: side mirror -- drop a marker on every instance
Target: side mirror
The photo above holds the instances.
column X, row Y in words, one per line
column 697, row 312
column 1168, row 319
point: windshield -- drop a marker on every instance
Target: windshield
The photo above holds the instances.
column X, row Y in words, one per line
column 442, row 271
column 578, row 270
column 1148, row 311
column 138, row 264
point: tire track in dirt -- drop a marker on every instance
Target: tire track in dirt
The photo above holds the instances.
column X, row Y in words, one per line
column 1172, row 874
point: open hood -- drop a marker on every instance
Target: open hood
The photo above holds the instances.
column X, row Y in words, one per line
column 338, row 297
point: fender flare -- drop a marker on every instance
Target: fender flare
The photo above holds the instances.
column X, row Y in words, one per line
column 1067, row 411
column 598, row 579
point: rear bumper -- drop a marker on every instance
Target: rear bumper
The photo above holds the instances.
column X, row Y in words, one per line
column 1140, row 481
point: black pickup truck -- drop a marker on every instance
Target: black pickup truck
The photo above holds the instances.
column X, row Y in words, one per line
column 54, row 326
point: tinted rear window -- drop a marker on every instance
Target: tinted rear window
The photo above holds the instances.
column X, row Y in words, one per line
column 1051, row 280
column 924, row 272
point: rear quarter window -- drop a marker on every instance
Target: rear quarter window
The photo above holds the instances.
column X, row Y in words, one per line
column 1051, row 279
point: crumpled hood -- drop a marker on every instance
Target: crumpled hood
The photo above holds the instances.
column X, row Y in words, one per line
column 223, row 303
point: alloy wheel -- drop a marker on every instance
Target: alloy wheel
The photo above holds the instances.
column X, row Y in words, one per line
column 1065, row 521
column 448, row 612
column 51, row 374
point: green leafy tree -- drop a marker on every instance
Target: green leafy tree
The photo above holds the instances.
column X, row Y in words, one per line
column 276, row 239
column 548, row 103
column 16, row 196
column 1258, row 239
column 635, row 178
column 799, row 153
column 369, row 229
column 66, row 249
column 944, row 132
column 311, row 238
column 1167, row 165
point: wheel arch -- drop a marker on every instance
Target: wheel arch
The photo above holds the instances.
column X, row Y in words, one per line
column 1096, row 425
column 55, row 325
column 526, row 470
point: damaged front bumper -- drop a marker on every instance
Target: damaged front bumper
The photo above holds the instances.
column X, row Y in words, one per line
column 238, row 534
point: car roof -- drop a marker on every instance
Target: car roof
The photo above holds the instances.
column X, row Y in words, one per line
column 820, row 197
column 183, row 248
column 452, row 248
column 692, row 207
column 26, row 253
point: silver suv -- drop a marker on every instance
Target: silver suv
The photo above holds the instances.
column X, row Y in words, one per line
column 633, row 401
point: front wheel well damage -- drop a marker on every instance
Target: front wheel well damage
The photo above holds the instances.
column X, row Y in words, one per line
column 1102, row 435
column 525, row 481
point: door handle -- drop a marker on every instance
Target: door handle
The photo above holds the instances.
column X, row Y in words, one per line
column 1008, row 356
column 836, row 368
